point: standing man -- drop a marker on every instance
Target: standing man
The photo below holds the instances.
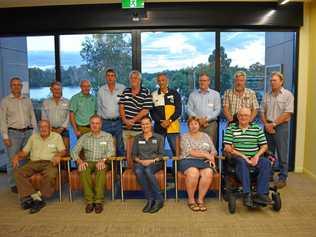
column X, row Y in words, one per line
column 166, row 111
column 239, row 97
column 205, row 104
column 96, row 146
column 276, row 111
column 135, row 103
column 56, row 111
column 108, row 108
column 82, row 106
column 17, row 123
column 46, row 149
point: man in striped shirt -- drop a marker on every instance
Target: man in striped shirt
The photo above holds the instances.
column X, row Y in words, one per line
column 246, row 143
column 135, row 103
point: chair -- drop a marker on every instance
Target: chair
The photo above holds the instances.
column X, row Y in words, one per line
column 180, row 177
column 37, row 178
column 129, row 180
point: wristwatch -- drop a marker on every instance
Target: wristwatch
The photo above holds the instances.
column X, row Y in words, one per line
column 274, row 124
column 170, row 121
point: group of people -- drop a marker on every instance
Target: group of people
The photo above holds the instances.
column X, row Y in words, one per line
column 104, row 122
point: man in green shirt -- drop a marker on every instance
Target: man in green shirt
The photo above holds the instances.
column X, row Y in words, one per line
column 45, row 149
column 96, row 146
column 246, row 143
column 82, row 106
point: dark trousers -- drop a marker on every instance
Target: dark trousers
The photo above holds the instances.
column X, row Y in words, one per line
column 48, row 181
column 147, row 180
column 279, row 142
column 262, row 171
column 115, row 129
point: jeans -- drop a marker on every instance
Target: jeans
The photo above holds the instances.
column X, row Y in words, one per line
column 262, row 171
column 147, row 180
column 280, row 142
column 115, row 129
column 18, row 141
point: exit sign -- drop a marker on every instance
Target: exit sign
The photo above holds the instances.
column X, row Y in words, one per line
column 127, row 4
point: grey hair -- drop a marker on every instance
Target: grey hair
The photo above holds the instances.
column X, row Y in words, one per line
column 135, row 72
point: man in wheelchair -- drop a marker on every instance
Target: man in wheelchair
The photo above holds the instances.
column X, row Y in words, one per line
column 245, row 143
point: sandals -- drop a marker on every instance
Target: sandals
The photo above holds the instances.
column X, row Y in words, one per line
column 202, row 207
column 194, row 207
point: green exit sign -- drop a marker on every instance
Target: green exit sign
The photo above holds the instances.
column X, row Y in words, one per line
column 127, row 4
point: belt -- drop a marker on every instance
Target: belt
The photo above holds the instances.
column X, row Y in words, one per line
column 21, row 129
column 84, row 126
column 111, row 119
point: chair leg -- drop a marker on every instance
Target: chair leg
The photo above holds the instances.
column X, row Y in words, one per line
column 69, row 181
column 165, row 177
column 220, row 180
column 176, row 178
column 112, row 179
column 121, row 179
column 59, row 182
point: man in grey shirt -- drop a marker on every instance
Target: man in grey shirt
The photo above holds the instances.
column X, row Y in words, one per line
column 276, row 111
column 205, row 104
column 108, row 108
column 56, row 111
column 17, row 123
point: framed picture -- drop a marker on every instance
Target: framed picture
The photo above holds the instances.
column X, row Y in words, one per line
column 268, row 72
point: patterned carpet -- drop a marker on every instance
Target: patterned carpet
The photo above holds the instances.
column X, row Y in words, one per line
column 296, row 218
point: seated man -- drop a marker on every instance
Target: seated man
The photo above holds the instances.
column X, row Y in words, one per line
column 45, row 149
column 97, row 146
column 148, row 148
column 246, row 143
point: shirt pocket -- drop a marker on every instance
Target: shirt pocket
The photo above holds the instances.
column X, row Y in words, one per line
column 282, row 103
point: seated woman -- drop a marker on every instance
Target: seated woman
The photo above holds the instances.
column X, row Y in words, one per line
column 148, row 148
column 197, row 162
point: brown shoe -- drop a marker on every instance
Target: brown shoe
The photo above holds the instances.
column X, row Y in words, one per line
column 98, row 208
column 280, row 184
column 89, row 208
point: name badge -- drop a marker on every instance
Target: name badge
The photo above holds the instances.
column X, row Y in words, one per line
column 237, row 133
column 141, row 142
column 64, row 104
column 210, row 104
column 51, row 145
column 206, row 144
column 102, row 143
column 154, row 141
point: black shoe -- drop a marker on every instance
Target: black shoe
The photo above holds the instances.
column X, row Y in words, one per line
column 148, row 206
column 248, row 200
column 89, row 207
column 26, row 203
column 262, row 199
column 156, row 207
column 37, row 206
column 14, row 189
column 98, row 208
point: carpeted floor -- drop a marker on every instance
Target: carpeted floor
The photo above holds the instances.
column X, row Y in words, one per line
column 296, row 218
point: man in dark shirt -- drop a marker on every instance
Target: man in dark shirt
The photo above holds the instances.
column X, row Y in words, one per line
column 166, row 111
column 147, row 153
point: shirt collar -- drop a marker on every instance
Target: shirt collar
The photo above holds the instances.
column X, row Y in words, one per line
column 21, row 97
column 159, row 91
column 102, row 134
column 82, row 95
column 207, row 91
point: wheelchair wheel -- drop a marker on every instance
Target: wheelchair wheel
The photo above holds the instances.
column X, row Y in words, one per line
column 231, row 203
column 276, row 206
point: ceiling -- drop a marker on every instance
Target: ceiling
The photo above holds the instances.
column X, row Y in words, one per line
column 30, row 3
